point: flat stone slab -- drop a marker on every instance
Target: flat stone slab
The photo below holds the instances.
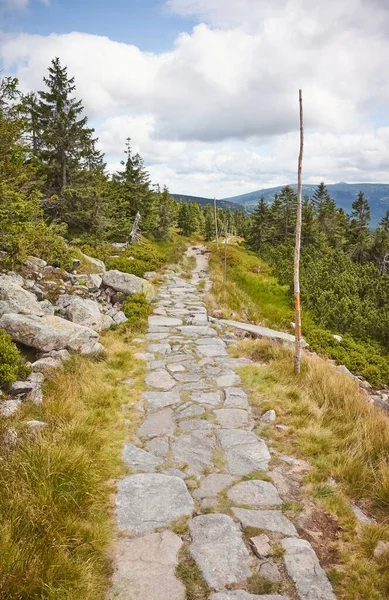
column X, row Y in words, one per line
column 228, row 380
column 139, row 459
column 157, row 400
column 161, row 321
column 159, row 424
column 195, row 330
column 159, row 446
column 235, row 398
column 211, row 398
column 211, row 350
column 192, row 411
column 245, row 451
column 255, row 493
column 232, row 418
column 145, row 568
column 176, row 368
column 242, row 595
column 271, row 520
column 213, row 484
column 304, row 568
column 147, row 501
column 196, row 425
column 160, row 379
column 194, row 450
column 159, row 348
column 263, row 332
column 219, row 551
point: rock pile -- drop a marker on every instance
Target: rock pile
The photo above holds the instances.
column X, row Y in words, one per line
column 54, row 311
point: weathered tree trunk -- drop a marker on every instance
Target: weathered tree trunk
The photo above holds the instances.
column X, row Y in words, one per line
column 297, row 356
column 216, row 231
column 225, row 253
column 135, row 233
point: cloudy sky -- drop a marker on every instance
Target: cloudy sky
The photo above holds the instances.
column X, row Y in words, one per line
column 208, row 89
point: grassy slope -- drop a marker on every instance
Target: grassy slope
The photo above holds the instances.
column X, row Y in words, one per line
column 253, row 294
column 346, row 440
column 57, row 484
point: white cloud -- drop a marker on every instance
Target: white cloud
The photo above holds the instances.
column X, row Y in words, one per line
column 218, row 113
column 19, row 4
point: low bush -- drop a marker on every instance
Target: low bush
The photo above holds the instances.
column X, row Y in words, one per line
column 11, row 364
column 126, row 265
column 137, row 309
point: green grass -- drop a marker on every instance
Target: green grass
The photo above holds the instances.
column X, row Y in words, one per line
column 254, row 295
column 57, row 485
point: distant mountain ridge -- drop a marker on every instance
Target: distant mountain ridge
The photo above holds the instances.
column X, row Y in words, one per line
column 344, row 195
column 224, row 204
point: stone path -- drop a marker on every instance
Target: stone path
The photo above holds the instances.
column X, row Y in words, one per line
column 193, row 448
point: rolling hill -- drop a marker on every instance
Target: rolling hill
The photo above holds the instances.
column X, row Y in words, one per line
column 344, row 195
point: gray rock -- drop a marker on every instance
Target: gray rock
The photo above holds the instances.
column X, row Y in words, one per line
column 157, row 400
column 232, row 418
column 47, row 366
column 148, row 501
column 269, row 570
column 98, row 264
column 9, row 407
column 128, row 284
column 228, row 380
column 34, row 263
column 344, row 370
column 159, row 424
column 196, row 330
column 271, row 520
column 120, row 318
column 160, row 321
column 269, row 416
column 61, row 355
column 161, row 379
column 212, row 350
column 208, row 398
column 176, row 368
column 36, row 424
column 242, row 595
column 95, row 281
column 208, row 503
column 255, row 493
column 195, row 425
column 47, row 333
column 381, row 548
column 219, row 551
column 145, row 568
column 159, row 348
column 159, row 446
column 139, row 460
column 81, row 310
column 261, row 545
column 235, row 398
column 21, row 387
column 106, row 322
column 304, row 568
column 213, row 484
column 191, row 411
column 15, row 299
column 10, row 437
column 195, row 450
column 245, row 452
column 35, row 395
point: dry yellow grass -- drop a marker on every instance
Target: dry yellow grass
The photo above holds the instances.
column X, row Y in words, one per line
column 332, row 425
column 56, row 521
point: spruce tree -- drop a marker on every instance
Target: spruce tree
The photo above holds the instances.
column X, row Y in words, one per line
column 359, row 235
column 133, row 195
column 288, row 200
column 260, row 222
column 65, row 142
column 167, row 213
column 209, row 225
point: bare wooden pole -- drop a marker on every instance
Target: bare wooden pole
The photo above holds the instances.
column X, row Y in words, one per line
column 297, row 356
column 217, row 234
column 225, row 253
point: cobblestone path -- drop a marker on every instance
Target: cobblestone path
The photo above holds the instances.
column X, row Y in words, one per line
column 194, row 451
